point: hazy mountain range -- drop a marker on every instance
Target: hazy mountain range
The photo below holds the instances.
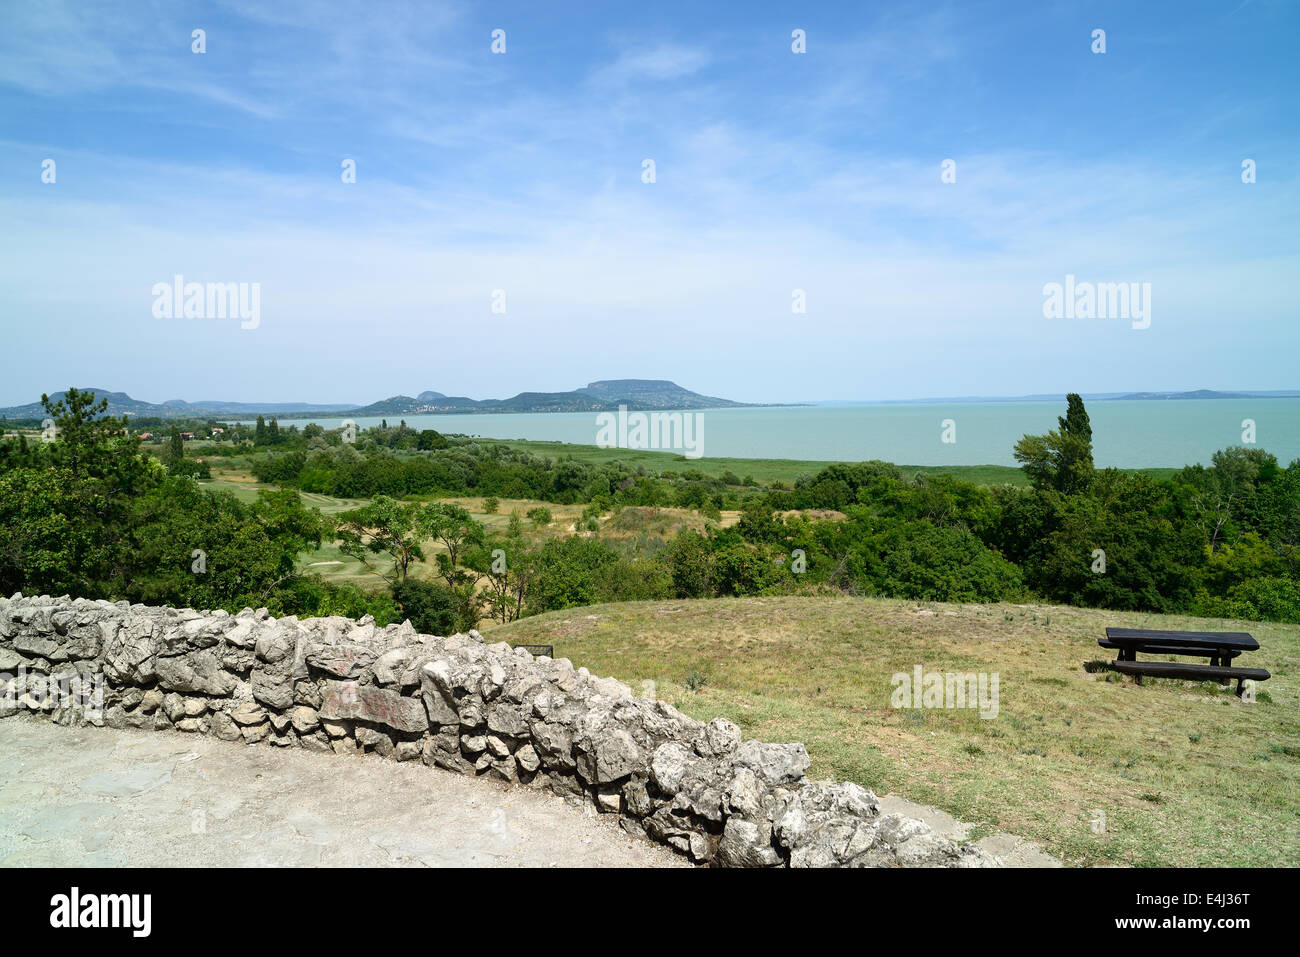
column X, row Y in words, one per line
column 601, row 396
column 1092, row 397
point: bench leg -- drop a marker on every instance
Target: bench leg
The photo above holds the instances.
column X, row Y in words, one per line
column 1224, row 661
column 1241, row 684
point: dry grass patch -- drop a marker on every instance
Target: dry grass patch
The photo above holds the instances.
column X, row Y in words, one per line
column 1185, row 773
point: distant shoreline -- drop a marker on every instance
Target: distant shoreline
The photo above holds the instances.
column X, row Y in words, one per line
column 527, row 403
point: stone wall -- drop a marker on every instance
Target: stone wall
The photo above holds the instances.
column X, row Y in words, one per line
column 350, row 687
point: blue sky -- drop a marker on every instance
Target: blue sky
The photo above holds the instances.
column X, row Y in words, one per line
column 522, row 172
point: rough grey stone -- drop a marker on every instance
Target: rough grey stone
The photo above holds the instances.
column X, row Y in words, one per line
column 196, row 673
column 775, row 763
column 348, row 700
column 344, row 660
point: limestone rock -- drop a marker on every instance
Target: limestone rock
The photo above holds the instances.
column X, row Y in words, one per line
column 344, row 660
column 350, row 701
column 196, row 673
column 273, row 688
column 305, row 720
column 747, row 844
column 774, row 763
column 374, row 740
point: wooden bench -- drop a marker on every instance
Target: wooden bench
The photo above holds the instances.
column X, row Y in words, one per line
column 1220, row 647
column 538, row 650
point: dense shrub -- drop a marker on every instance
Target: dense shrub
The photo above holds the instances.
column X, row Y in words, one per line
column 431, row 606
column 948, row 564
column 1259, row 599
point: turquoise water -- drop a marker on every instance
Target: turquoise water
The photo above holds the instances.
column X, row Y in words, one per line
column 1126, row 434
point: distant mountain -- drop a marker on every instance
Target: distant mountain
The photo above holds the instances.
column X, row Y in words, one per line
column 1087, row 396
column 605, row 395
column 655, row 393
column 1197, row 394
column 120, row 404
column 601, row 396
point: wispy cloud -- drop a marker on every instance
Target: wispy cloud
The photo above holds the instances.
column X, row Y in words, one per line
column 664, row 61
column 522, row 172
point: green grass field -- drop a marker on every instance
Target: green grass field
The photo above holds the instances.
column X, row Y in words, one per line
column 765, row 471
column 1185, row 773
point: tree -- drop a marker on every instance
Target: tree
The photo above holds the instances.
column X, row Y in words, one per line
column 259, row 434
column 384, row 527
column 429, row 440
column 508, row 570
column 690, row 556
column 429, row 606
column 1061, row 459
column 568, row 573
column 1225, row 500
column 62, row 518
column 1075, row 421
column 177, row 450
column 190, row 547
column 457, row 531
column 41, row 538
column 1153, row 560
column 86, row 439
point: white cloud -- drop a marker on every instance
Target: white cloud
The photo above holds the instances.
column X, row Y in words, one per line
column 665, row 61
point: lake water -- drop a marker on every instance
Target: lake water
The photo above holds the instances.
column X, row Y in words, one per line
column 1126, row 434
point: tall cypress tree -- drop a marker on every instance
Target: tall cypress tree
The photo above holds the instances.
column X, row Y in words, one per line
column 1075, row 456
column 1076, row 421
column 1061, row 459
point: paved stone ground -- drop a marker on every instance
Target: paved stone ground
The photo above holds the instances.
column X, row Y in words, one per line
column 95, row 797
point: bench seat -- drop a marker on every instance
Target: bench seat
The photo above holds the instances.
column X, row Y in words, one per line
column 1178, row 669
